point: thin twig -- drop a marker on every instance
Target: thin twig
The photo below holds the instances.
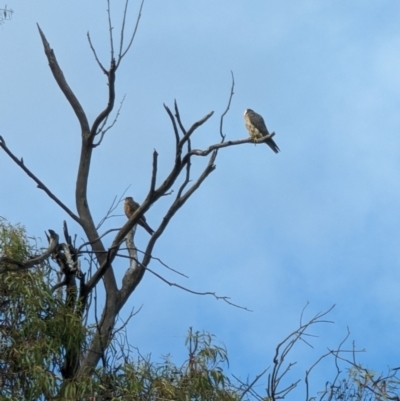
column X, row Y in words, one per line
column 223, row 298
column 97, row 239
column 113, row 206
column 178, row 118
column 154, row 258
column 121, row 40
column 251, row 385
column 111, row 99
column 221, row 124
column 193, row 128
column 133, row 34
column 280, row 354
column 110, row 29
column 131, row 315
column 95, row 54
column 306, row 379
column 103, row 130
column 187, row 176
column 173, row 124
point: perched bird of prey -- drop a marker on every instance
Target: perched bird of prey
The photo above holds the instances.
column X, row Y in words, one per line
column 256, row 126
column 130, row 207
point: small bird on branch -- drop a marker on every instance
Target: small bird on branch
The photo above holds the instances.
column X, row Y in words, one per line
column 130, row 207
column 257, row 129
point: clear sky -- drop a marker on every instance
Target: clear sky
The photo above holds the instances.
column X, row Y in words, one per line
column 317, row 223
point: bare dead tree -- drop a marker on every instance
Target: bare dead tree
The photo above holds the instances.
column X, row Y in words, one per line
column 67, row 255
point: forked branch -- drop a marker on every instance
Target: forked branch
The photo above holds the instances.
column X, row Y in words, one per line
column 280, row 370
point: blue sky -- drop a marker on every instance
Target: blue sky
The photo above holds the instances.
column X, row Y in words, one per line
column 317, row 223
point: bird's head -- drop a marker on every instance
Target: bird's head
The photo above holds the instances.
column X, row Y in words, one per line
column 128, row 199
column 248, row 111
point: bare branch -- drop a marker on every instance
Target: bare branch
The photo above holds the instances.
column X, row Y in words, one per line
column 187, row 177
column 121, row 56
column 85, row 218
column 221, row 124
column 39, row 183
column 218, row 297
column 121, row 40
column 134, row 275
column 178, row 118
column 5, row 14
column 173, row 125
column 282, row 350
column 63, row 85
column 59, row 285
column 111, row 99
column 101, row 271
column 209, row 169
column 103, row 130
column 154, row 172
column 251, row 385
column 134, row 268
column 338, row 371
column 95, row 54
column 120, row 237
column 122, row 327
column 53, row 243
column 193, row 128
column 178, row 203
column 110, row 29
column 217, row 146
column 113, row 206
column 96, row 239
column 158, row 260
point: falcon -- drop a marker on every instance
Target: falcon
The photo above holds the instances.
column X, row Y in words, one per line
column 130, row 207
column 257, row 129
